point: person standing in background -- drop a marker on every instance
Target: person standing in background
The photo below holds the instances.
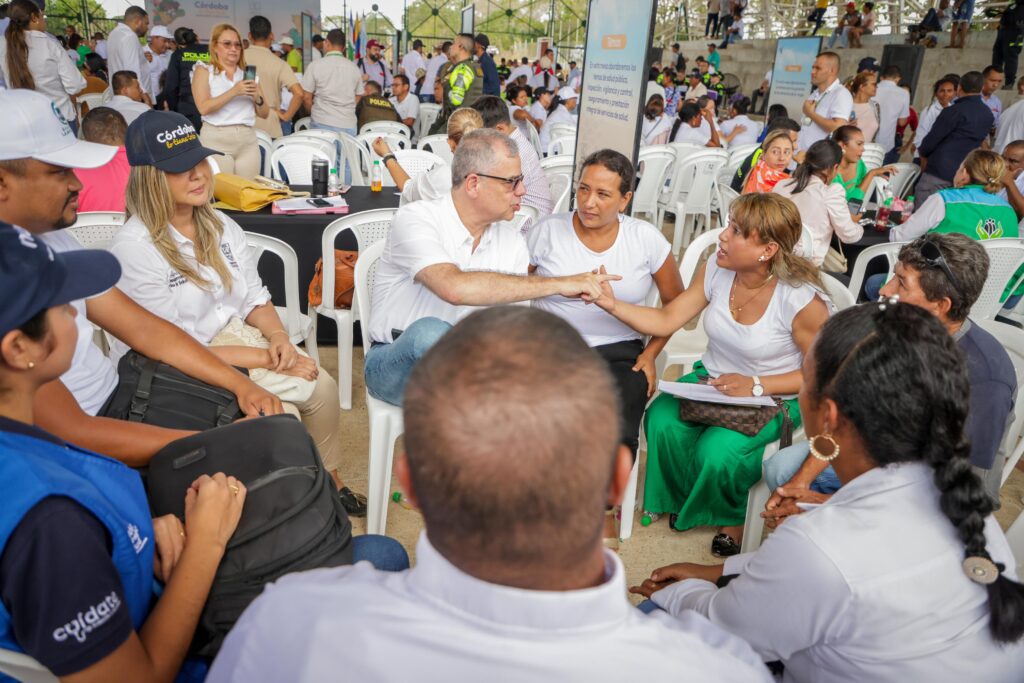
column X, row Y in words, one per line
column 274, row 74
column 414, row 66
column 492, row 85
column 126, row 52
column 1009, row 37
column 714, row 58
column 893, row 112
column 158, row 52
column 374, row 67
column 177, row 92
column 291, row 55
column 99, row 46
column 434, row 66
column 318, row 48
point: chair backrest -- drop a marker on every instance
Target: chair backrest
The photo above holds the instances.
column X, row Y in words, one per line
column 694, row 252
column 563, row 144
column 683, row 170
column 873, row 155
column 369, row 228
column 560, row 186
column 381, row 127
column 23, row 668
column 1005, row 257
column 534, row 136
column 1012, row 339
column 560, row 129
column 417, row 161
column 264, row 244
column 303, row 124
column 395, row 142
column 358, row 158
column 739, row 153
column 428, row 114
column 653, row 164
column 438, row 144
column 96, row 229
column 726, row 196
column 366, row 270
column 325, row 140
column 901, row 183
column 655, row 88
column 837, row 291
column 292, row 163
column 890, row 250
column 563, row 163
column 266, row 145
column 699, row 181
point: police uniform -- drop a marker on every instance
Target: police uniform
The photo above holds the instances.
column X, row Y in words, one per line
column 177, row 90
column 375, row 108
column 463, row 83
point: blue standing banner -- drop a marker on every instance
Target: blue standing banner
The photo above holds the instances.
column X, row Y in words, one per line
column 791, row 74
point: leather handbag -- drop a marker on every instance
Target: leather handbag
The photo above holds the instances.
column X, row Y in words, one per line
column 748, row 420
column 344, row 279
column 835, row 261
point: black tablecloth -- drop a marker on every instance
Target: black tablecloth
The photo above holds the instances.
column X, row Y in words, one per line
column 871, row 237
column 303, row 234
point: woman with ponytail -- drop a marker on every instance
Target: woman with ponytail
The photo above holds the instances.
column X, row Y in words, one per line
column 762, row 305
column 33, row 60
column 902, row 575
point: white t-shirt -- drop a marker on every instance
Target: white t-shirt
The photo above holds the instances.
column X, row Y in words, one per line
column 426, row 233
column 412, row 61
column 101, row 48
column 408, row 108
column 434, row 65
column 92, row 377
column 764, row 348
column 127, row 107
column 893, row 104
column 1011, row 126
column 434, row 184
column 748, row 136
column 638, row 253
column 149, row 279
column 835, row 103
column 652, row 129
column 240, row 110
column 521, row 125
column 697, row 136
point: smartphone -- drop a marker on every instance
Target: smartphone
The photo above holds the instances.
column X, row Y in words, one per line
column 250, row 73
column 319, row 203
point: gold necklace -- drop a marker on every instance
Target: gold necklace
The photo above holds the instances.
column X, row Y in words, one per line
column 735, row 311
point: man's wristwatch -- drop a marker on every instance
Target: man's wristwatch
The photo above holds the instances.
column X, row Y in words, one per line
column 758, row 389
column 388, row 156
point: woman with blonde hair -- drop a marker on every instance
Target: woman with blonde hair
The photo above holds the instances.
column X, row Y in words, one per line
column 191, row 265
column 772, row 164
column 229, row 103
column 32, row 59
column 436, row 182
column 762, row 307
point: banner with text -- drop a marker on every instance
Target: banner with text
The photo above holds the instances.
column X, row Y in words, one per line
column 614, row 77
column 791, row 75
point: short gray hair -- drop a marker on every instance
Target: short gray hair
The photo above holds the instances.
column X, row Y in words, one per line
column 479, row 152
column 465, row 42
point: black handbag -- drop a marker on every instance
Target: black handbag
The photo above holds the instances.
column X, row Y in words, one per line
column 154, row 393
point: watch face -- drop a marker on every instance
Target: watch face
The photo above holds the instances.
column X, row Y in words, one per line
column 758, row 390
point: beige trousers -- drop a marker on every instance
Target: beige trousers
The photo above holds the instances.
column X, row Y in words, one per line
column 239, row 146
column 321, row 415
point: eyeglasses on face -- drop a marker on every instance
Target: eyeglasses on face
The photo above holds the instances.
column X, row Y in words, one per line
column 230, row 44
column 513, row 181
column 932, row 256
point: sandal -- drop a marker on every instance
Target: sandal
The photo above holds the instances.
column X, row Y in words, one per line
column 354, row 503
column 723, row 545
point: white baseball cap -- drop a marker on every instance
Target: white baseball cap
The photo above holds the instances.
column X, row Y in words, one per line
column 160, row 32
column 287, row 40
column 567, row 93
column 36, row 129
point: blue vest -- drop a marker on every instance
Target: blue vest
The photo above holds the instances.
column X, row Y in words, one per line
column 32, row 469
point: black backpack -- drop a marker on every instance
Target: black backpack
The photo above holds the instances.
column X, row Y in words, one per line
column 293, row 519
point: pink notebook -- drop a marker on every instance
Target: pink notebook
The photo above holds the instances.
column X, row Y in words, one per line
column 310, row 210
column 301, row 205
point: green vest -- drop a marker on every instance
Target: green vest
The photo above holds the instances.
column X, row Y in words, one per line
column 981, row 216
column 463, row 84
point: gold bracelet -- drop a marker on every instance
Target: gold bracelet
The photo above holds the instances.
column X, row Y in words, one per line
column 276, row 332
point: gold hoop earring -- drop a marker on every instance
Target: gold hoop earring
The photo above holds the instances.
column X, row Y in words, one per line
column 818, row 454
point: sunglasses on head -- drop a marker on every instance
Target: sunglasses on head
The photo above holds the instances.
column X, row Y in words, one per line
column 933, row 257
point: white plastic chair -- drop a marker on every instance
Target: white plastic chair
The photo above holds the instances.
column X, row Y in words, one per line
column 560, row 186
column 654, row 88
column 534, row 137
column 389, row 127
column 266, row 145
column 292, row 163
column 386, row 423
column 737, row 155
column 903, row 181
column 1011, row 447
column 653, row 165
column 96, row 229
column 1005, row 257
column 559, row 129
column 841, row 297
column 726, row 196
column 299, row 326
column 757, row 498
column 679, row 182
column 563, row 164
column 890, row 250
column 23, row 668
column 93, row 99
column 692, row 196
column 438, row 144
column 428, row 114
column 395, row 143
column 873, row 156
column 302, row 124
column 563, row 144
column 416, row 161
column 369, row 228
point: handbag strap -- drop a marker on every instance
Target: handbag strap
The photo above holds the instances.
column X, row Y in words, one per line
column 140, row 399
column 786, row 434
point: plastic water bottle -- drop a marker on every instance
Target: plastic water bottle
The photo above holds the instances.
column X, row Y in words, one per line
column 333, row 186
column 649, row 518
column 882, row 218
column 908, row 209
column 397, row 497
column 378, row 177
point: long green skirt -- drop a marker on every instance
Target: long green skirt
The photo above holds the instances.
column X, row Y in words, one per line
column 702, row 473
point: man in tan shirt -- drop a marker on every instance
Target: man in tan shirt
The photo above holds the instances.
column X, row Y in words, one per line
column 274, row 74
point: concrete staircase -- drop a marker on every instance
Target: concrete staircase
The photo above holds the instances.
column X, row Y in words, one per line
column 749, row 59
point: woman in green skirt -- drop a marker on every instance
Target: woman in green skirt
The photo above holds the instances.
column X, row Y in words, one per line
column 762, row 307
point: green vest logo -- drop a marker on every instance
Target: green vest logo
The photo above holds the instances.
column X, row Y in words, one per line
column 989, row 229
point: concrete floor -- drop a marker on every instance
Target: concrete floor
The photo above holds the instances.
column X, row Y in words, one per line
column 649, row 548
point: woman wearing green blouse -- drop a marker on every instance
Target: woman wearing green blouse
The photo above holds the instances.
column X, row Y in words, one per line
column 853, row 175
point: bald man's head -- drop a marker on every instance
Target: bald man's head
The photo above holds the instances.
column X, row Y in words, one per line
column 511, row 433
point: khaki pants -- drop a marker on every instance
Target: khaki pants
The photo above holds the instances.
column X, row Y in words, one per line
column 239, row 146
column 321, row 415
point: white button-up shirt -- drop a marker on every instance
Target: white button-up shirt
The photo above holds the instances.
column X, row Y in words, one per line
column 412, row 61
column 823, row 210
column 157, row 67
column 54, row 73
column 995, row 104
column 149, row 279
column 866, row 587
column 835, row 102
column 538, row 194
column 126, row 54
column 437, row 623
column 893, row 104
column 1011, row 126
column 426, row 233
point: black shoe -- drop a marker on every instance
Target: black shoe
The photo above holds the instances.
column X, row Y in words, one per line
column 723, row 545
column 672, row 522
column 354, row 503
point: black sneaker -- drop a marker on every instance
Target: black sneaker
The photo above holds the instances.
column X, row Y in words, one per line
column 723, row 545
column 354, row 503
column 672, row 522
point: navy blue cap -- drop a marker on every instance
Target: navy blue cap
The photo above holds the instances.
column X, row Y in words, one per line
column 165, row 139
column 34, row 278
column 868, row 64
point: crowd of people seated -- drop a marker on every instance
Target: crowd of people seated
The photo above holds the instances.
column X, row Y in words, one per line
column 522, row 426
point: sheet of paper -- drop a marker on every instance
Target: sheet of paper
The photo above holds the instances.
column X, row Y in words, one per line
column 302, row 203
column 704, row 392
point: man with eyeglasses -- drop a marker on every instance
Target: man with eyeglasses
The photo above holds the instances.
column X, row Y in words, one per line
column 944, row 274
column 444, row 257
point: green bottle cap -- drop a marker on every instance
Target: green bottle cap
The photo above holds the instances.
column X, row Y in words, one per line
column 397, row 496
column 645, row 521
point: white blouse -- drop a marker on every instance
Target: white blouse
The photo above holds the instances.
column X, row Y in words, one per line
column 240, row 110
column 638, row 252
column 764, row 348
column 823, row 210
column 521, row 125
column 151, row 281
column 656, row 131
column 55, row 75
column 868, row 586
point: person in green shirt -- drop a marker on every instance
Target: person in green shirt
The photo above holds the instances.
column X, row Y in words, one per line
column 714, row 56
column 292, row 54
column 853, row 175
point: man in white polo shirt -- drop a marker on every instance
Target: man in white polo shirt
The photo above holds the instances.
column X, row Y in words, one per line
column 445, row 256
column 512, row 454
column 39, row 193
column 830, row 104
column 894, row 110
column 406, row 104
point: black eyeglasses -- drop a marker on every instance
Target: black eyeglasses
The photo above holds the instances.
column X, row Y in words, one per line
column 513, row 181
column 932, row 256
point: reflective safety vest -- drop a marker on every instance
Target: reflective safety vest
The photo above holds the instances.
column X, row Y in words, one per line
column 463, row 84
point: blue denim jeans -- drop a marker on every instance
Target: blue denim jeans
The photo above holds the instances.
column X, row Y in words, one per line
column 383, row 552
column 781, row 467
column 840, row 35
column 337, row 146
column 873, row 286
column 387, row 366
